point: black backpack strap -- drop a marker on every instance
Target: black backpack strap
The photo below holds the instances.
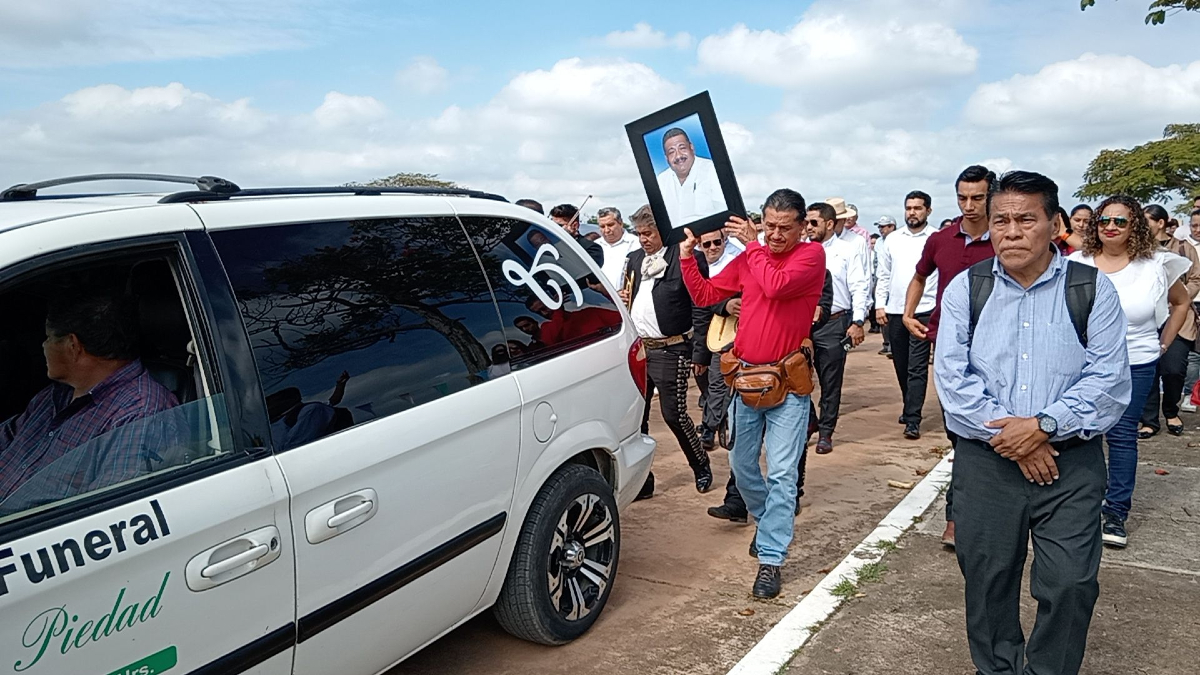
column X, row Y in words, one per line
column 982, row 281
column 1081, row 295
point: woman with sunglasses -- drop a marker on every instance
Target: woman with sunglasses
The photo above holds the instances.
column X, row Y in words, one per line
column 1172, row 367
column 1118, row 241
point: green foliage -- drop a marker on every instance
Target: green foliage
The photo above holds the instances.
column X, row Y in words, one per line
column 887, row 546
column 871, row 573
column 845, row 589
column 1158, row 9
column 1153, row 171
column 410, row 180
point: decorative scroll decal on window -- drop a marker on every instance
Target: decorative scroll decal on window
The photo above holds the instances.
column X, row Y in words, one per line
column 519, row 276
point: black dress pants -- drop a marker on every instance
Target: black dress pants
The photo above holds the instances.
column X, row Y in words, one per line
column 997, row 512
column 830, row 360
column 910, row 358
column 1172, row 371
column 668, row 370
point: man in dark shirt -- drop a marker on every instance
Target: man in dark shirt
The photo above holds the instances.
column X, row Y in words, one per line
column 99, row 389
column 567, row 216
column 948, row 252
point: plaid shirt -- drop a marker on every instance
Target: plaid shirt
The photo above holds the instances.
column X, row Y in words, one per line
column 42, row 446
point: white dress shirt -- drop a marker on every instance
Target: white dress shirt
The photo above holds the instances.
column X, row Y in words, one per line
column 645, row 317
column 897, row 267
column 851, row 285
column 615, row 255
column 698, row 196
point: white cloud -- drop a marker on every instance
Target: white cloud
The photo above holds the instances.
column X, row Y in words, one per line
column 643, row 36
column 80, row 32
column 849, row 55
column 1094, row 98
column 424, row 75
column 340, row 109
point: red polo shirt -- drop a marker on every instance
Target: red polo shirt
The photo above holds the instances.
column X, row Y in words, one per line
column 949, row 252
column 779, row 297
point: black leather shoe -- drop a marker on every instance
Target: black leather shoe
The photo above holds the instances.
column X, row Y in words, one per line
column 798, row 507
column 824, row 445
column 912, row 431
column 768, row 583
column 704, row 480
column 647, row 490
column 753, row 546
column 727, row 512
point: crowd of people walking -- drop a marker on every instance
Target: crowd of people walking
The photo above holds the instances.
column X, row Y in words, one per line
column 1052, row 336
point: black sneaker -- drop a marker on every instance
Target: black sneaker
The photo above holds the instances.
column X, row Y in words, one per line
column 704, row 480
column 727, row 512
column 768, row 583
column 1114, row 532
column 912, row 431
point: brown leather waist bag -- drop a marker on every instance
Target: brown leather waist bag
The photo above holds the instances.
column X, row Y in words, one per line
column 767, row 386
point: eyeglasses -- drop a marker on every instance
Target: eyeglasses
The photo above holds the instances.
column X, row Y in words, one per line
column 814, row 222
column 1120, row 221
column 711, row 244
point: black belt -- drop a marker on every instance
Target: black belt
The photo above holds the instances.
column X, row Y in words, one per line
column 1074, row 442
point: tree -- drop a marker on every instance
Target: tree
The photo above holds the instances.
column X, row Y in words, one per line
column 372, row 288
column 410, row 180
column 1159, row 9
column 1151, row 171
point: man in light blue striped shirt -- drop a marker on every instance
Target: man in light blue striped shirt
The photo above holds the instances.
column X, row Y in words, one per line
column 1030, row 403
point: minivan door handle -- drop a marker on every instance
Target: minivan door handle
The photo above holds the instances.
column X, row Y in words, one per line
column 340, row 515
column 233, row 559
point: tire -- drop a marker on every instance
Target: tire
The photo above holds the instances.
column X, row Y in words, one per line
column 558, row 583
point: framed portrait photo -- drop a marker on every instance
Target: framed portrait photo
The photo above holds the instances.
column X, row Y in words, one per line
column 685, row 168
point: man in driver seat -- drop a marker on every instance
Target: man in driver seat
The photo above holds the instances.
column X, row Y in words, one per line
column 98, row 386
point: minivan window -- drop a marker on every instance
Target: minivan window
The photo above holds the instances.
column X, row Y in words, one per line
column 355, row 320
column 104, row 382
column 550, row 300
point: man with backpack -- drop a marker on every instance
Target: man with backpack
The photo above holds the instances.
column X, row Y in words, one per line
column 1032, row 370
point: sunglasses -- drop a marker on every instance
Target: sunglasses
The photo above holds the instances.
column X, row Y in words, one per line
column 814, row 222
column 711, row 244
column 1120, row 221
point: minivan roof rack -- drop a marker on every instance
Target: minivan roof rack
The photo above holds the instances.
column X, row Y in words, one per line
column 206, row 195
column 210, row 185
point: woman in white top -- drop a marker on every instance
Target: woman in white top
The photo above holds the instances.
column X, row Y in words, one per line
column 1119, row 243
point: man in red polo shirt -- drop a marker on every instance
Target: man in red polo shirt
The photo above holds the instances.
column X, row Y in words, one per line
column 780, row 282
column 948, row 252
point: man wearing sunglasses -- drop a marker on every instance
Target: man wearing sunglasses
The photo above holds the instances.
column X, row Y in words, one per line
column 718, row 251
column 842, row 329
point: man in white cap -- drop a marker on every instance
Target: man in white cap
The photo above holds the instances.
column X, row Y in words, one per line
column 886, row 225
column 852, row 225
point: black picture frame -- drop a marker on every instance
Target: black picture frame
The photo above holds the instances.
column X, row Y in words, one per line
column 699, row 106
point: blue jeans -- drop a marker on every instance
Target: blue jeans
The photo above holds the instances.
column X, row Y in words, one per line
column 772, row 501
column 1123, row 444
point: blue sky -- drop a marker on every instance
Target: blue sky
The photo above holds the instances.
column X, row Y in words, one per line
column 864, row 99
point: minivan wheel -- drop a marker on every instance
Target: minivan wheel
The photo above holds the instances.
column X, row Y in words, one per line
column 565, row 559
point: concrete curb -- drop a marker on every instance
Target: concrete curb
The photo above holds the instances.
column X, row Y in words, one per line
column 781, row 643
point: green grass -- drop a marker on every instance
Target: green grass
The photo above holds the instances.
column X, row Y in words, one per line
column 871, row 573
column 887, row 546
column 845, row 589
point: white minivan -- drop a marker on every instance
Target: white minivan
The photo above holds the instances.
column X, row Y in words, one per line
column 302, row 430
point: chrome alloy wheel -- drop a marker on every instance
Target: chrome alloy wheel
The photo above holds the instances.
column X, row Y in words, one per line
column 581, row 557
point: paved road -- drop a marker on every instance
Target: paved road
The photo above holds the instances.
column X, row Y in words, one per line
column 681, row 603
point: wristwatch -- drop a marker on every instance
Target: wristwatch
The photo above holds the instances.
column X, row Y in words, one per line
column 858, row 323
column 1047, row 424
